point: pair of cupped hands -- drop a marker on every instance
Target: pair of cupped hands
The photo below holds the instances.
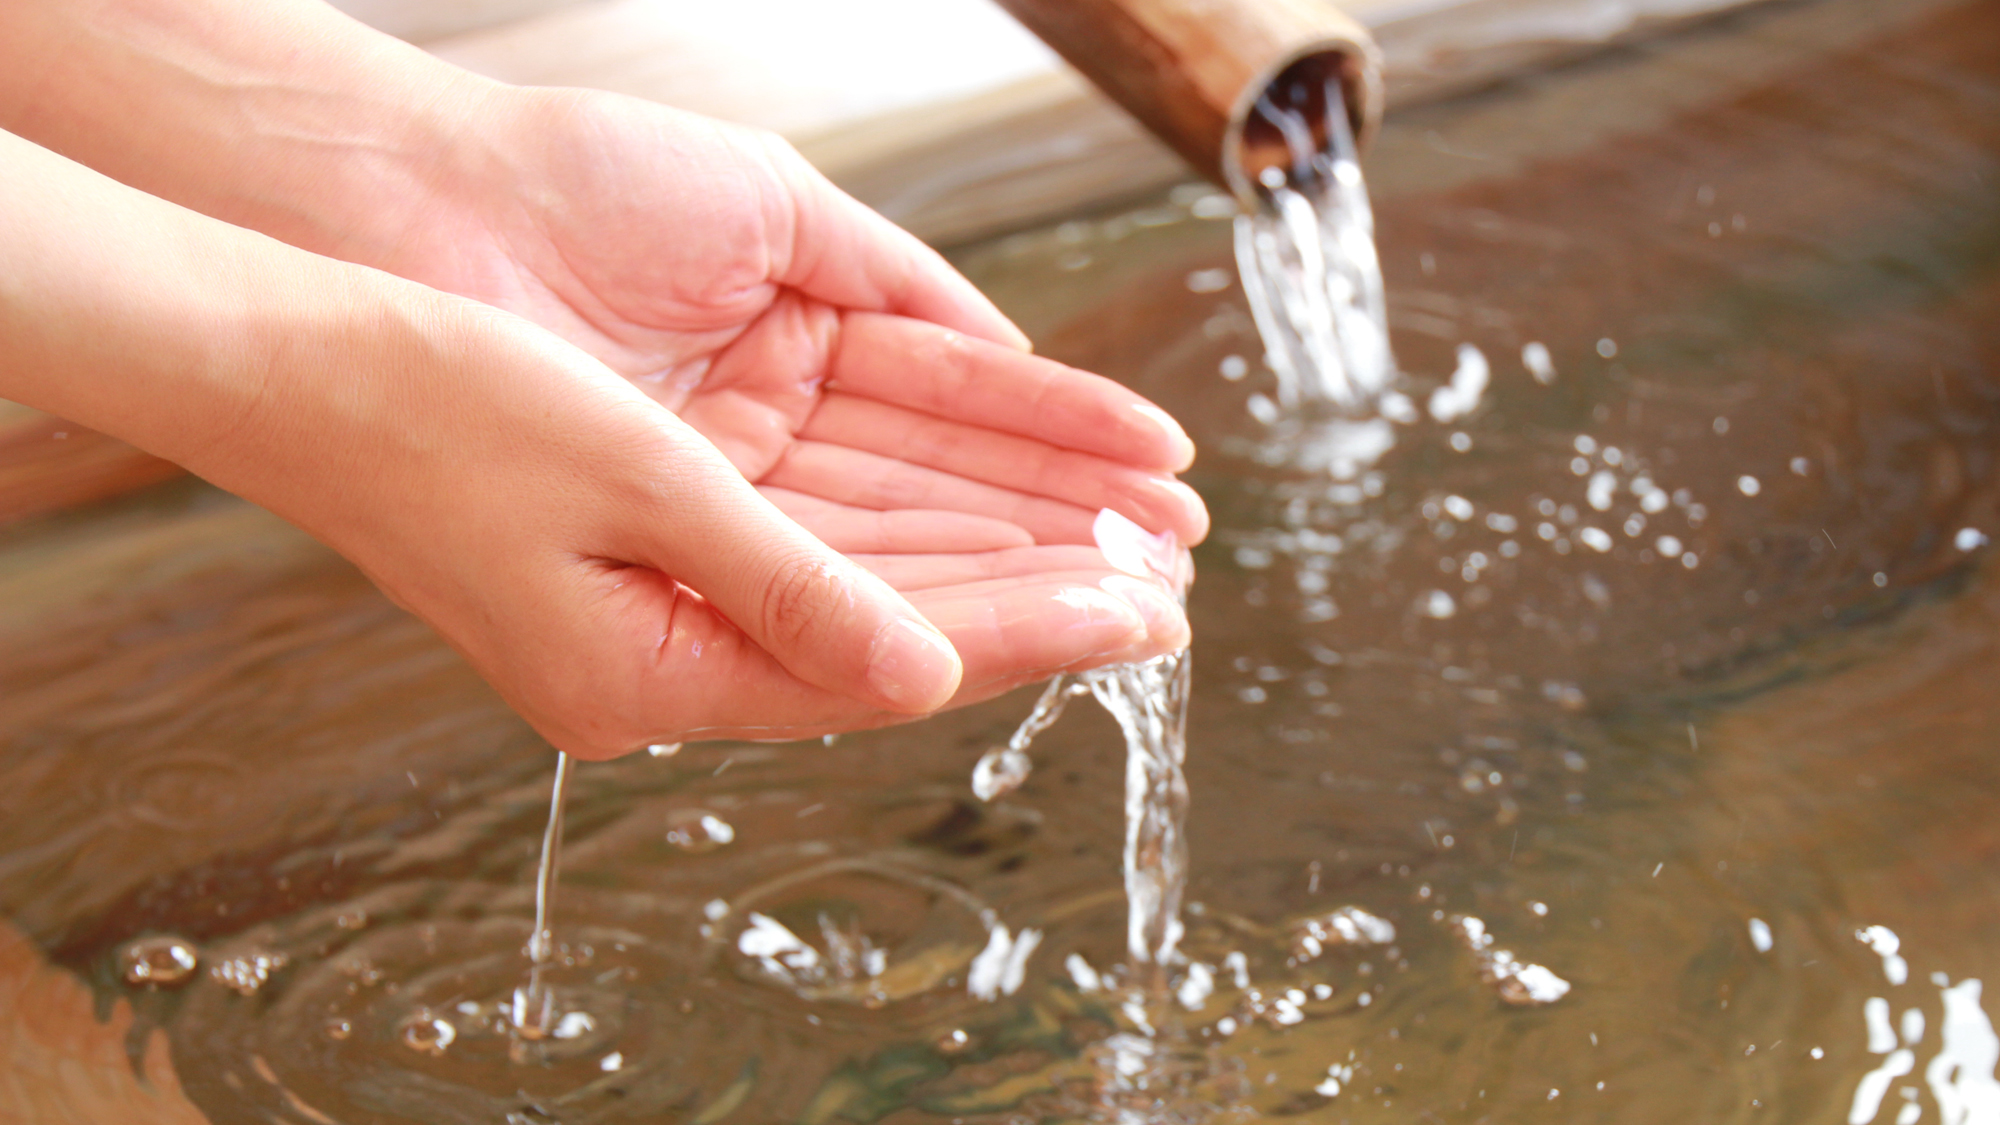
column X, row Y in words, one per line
column 831, row 486
column 711, row 450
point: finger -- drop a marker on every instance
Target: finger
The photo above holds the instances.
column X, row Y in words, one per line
column 999, row 627
column 907, row 572
column 823, row 618
column 868, row 480
column 923, row 367
column 847, row 255
column 853, row 531
column 1154, row 501
column 669, row 666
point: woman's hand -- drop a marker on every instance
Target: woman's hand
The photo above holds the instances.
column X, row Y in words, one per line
column 595, row 510
column 596, row 558
column 839, row 363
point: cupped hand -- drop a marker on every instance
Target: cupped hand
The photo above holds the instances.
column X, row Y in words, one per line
column 865, row 389
column 622, row 583
column 734, row 457
column 839, row 363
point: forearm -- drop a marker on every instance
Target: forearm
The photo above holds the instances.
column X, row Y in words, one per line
column 283, row 116
column 198, row 341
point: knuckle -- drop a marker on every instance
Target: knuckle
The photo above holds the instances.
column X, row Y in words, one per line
column 800, row 602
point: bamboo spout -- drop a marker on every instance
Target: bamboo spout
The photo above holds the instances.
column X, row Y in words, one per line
column 1193, row 70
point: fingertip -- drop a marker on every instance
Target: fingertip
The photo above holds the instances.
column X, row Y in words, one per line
column 912, row 668
column 1167, row 628
column 1176, row 447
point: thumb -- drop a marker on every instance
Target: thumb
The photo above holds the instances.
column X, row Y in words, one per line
column 825, row 619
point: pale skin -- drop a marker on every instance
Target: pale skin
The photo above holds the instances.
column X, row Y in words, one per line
column 666, row 435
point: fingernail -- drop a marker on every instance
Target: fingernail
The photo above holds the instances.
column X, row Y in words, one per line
column 1166, row 624
column 912, row 666
column 1181, row 500
column 1167, row 425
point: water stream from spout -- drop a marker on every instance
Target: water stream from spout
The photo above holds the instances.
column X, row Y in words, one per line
column 1306, row 251
column 1314, row 281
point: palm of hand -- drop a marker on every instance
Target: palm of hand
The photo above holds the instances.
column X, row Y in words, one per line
column 841, row 366
column 843, row 369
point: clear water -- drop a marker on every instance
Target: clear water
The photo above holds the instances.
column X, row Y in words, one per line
column 1741, row 807
column 1306, row 255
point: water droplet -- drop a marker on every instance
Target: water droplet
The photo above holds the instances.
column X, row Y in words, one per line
column 424, row 1030
column 1535, row 357
column 1209, row 281
column 698, row 830
column 1748, row 485
column 1607, row 347
column 338, row 1029
column 164, row 961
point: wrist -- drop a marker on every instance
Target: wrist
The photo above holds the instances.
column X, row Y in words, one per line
column 282, row 116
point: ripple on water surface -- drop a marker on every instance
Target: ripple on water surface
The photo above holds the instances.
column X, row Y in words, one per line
column 1665, row 655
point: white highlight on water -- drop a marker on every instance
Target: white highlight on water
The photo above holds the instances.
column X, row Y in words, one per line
column 1461, row 396
column 1002, row 966
column 1535, row 357
column 1519, row 983
column 1961, row 1077
column 1885, row 943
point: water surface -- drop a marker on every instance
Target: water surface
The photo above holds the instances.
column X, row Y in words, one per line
column 1762, row 258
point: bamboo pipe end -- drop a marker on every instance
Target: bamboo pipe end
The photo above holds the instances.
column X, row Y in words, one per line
column 1192, row 70
column 1299, row 80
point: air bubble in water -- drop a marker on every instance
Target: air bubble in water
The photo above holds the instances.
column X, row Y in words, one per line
column 245, row 973
column 163, row 961
column 425, row 1031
